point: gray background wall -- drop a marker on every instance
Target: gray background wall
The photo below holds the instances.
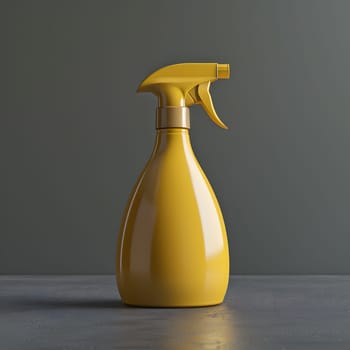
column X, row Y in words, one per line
column 74, row 134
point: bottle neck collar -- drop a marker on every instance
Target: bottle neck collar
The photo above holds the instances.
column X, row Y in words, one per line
column 173, row 117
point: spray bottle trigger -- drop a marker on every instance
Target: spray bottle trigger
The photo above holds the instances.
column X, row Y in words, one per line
column 206, row 101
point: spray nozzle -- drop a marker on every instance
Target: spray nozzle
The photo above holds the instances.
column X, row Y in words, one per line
column 185, row 84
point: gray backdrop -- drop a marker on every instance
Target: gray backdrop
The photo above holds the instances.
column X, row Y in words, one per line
column 75, row 135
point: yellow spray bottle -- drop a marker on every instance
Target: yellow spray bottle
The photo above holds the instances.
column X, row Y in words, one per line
column 172, row 246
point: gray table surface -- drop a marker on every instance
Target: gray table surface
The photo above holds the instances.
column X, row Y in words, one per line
column 265, row 312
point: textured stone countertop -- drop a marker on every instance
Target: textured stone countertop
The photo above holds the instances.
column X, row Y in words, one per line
column 259, row 312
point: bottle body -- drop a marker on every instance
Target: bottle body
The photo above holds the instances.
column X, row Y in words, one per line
column 172, row 246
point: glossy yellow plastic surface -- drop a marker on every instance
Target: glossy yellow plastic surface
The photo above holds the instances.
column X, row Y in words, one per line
column 172, row 247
